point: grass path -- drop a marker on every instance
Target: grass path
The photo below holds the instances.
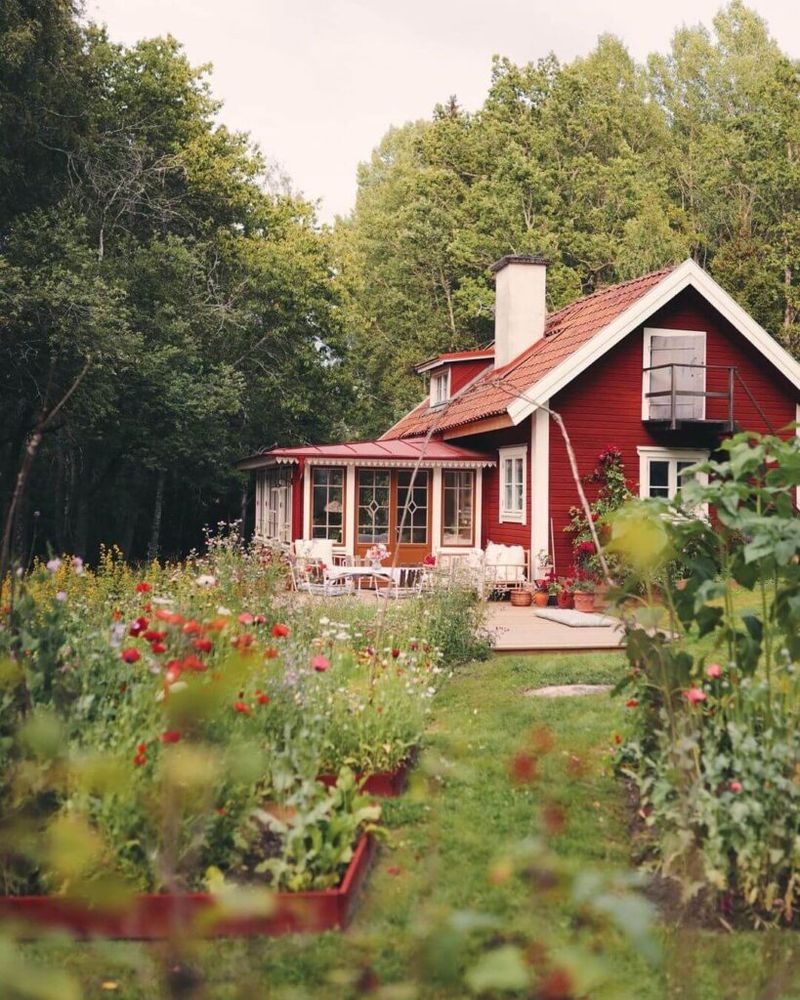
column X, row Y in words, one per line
column 446, row 856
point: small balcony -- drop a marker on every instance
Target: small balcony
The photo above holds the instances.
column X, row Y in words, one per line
column 679, row 405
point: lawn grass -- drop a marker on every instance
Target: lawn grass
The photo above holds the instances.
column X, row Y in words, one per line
column 448, row 837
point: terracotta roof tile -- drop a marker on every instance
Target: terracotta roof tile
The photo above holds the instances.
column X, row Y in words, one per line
column 565, row 331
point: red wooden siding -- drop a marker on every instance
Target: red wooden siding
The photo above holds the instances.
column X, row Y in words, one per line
column 464, row 372
column 491, row 529
column 297, row 501
column 603, row 406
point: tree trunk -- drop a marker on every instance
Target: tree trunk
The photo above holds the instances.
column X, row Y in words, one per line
column 155, row 530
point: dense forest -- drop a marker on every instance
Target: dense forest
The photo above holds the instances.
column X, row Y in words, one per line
column 168, row 305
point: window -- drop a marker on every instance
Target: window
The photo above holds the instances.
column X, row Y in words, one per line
column 513, row 489
column 674, row 355
column 374, row 490
column 661, row 470
column 440, row 388
column 412, row 508
column 273, row 505
column 458, row 490
column 327, row 504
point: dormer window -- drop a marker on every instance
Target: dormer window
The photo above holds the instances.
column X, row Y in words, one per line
column 440, row 388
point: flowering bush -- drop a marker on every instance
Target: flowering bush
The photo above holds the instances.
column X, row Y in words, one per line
column 716, row 694
column 612, row 493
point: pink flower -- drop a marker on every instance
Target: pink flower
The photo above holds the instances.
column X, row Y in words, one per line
column 320, row 664
column 245, row 618
column 735, row 786
column 713, row 670
column 694, row 695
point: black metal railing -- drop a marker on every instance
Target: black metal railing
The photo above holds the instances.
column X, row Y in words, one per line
column 674, row 394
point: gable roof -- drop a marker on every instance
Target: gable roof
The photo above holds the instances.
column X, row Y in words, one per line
column 483, row 354
column 577, row 336
column 565, row 331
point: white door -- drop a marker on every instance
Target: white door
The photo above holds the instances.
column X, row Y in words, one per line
column 679, row 349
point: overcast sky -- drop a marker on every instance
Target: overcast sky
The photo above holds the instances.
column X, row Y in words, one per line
column 318, row 82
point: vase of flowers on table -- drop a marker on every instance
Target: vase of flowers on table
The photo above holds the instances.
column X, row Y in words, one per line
column 376, row 554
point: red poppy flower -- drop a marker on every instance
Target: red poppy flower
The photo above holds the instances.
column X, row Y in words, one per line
column 139, row 759
column 143, row 588
column 395, row 653
column 217, row 625
column 261, row 698
column 192, row 627
column 240, row 706
column 617, row 739
column 138, row 627
column 203, row 645
column 280, row 631
column 631, row 703
column 192, row 662
column 151, row 635
column 170, row 617
column 242, row 641
column 141, row 747
column 158, row 647
column 130, row 655
column 116, row 614
column 221, row 811
column 320, row 664
column 170, row 736
column 270, row 653
column 245, row 618
column 523, row 768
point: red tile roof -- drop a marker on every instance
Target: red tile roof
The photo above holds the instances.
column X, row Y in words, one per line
column 407, row 450
column 565, row 331
column 486, row 353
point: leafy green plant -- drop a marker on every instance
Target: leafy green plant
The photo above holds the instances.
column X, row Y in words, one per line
column 714, row 681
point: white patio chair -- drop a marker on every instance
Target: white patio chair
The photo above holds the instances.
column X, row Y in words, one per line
column 504, row 568
column 407, row 581
column 312, row 578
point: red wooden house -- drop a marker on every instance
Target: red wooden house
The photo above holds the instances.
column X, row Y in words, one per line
column 663, row 366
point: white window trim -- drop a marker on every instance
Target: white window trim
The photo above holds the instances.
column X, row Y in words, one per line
column 647, row 342
column 434, row 377
column 513, row 516
column 673, row 456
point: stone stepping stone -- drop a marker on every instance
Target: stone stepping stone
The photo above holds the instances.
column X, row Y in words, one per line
column 568, row 690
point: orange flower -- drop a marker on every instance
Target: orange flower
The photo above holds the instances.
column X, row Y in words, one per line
column 270, row 653
column 192, row 628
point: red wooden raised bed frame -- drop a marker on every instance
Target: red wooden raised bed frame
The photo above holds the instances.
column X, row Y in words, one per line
column 385, row 784
column 156, row 916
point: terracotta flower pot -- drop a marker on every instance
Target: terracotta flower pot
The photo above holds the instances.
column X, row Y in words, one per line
column 565, row 599
column 584, row 600
column 540, row 598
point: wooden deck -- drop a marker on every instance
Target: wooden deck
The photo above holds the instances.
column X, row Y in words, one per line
column 518, row 630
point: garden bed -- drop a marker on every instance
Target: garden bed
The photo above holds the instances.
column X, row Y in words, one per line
column 385, row 784
column 156, row 916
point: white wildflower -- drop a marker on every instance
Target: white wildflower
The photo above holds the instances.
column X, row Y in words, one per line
column 206, row 580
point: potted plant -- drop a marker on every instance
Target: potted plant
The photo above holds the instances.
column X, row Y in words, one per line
column 584, row 594
column 565, row 597
column 376, row 554
column 541, row 594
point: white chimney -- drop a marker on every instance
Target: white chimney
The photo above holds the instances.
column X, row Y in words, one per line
column 520, row 307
